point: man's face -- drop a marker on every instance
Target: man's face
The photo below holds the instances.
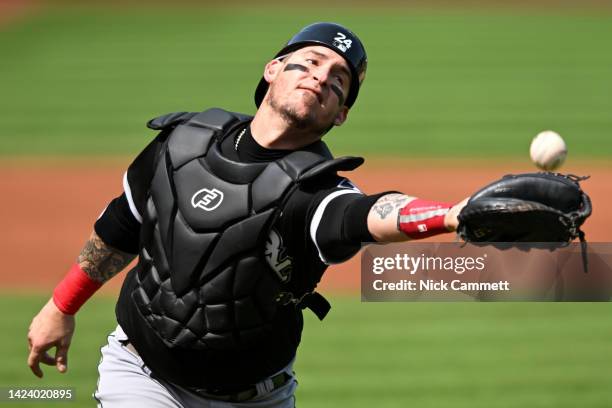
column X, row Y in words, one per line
column 309, row 87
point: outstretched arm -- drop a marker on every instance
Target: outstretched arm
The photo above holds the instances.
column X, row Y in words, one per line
column 398, row 217
column 342, row 224
column 54, row 325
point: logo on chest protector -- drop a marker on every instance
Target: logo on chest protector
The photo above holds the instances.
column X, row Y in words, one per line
column 207, row 199
column 276, row 255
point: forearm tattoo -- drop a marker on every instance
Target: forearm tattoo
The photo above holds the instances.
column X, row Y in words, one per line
column 389, row 203
column 100, row 261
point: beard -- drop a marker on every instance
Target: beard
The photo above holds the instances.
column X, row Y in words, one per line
column 289, row 113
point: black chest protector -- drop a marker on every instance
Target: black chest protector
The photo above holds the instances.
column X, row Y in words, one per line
column 203, row 281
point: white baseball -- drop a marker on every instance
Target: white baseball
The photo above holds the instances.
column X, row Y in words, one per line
column 548, row 150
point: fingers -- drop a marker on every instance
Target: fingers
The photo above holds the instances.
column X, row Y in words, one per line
column 34, row 362
column 50, row 329
column 45, row 358
column 61, row 357
column 37, row 356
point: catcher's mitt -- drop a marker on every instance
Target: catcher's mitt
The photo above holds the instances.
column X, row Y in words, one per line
column 534, row 207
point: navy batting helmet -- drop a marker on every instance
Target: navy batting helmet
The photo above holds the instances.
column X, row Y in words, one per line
column 335, row 37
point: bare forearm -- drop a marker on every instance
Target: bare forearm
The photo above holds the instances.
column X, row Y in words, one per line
column 54, row 325
column 100, row 261
column 383, row 217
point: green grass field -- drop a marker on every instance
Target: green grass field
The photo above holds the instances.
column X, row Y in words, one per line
column 443, row 83
column 393, row 354
column 440, row 83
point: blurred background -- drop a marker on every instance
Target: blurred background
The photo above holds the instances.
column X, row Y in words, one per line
column 454, row 92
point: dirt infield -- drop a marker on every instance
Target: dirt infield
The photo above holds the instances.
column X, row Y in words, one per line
column 11, row 10
column 48, row 209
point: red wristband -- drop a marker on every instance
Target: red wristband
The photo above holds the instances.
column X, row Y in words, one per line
column 74, row 290
column 422, row 218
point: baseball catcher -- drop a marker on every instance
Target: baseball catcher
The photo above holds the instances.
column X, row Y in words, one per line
column 234, row 219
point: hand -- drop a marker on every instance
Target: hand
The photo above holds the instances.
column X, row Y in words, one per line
column 50, row 328
column 450, row 219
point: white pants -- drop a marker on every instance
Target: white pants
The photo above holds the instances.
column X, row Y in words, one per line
column 125, row 381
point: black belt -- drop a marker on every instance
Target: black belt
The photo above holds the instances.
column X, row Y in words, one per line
column 240, row 396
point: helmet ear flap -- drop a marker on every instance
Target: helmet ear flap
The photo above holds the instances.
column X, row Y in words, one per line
column 335, row 37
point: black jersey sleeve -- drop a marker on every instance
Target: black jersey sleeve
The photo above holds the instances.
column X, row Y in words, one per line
column 334, row 216
column 338, row 220
column 326, row 224
column 119, row 224
column 342, row 227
